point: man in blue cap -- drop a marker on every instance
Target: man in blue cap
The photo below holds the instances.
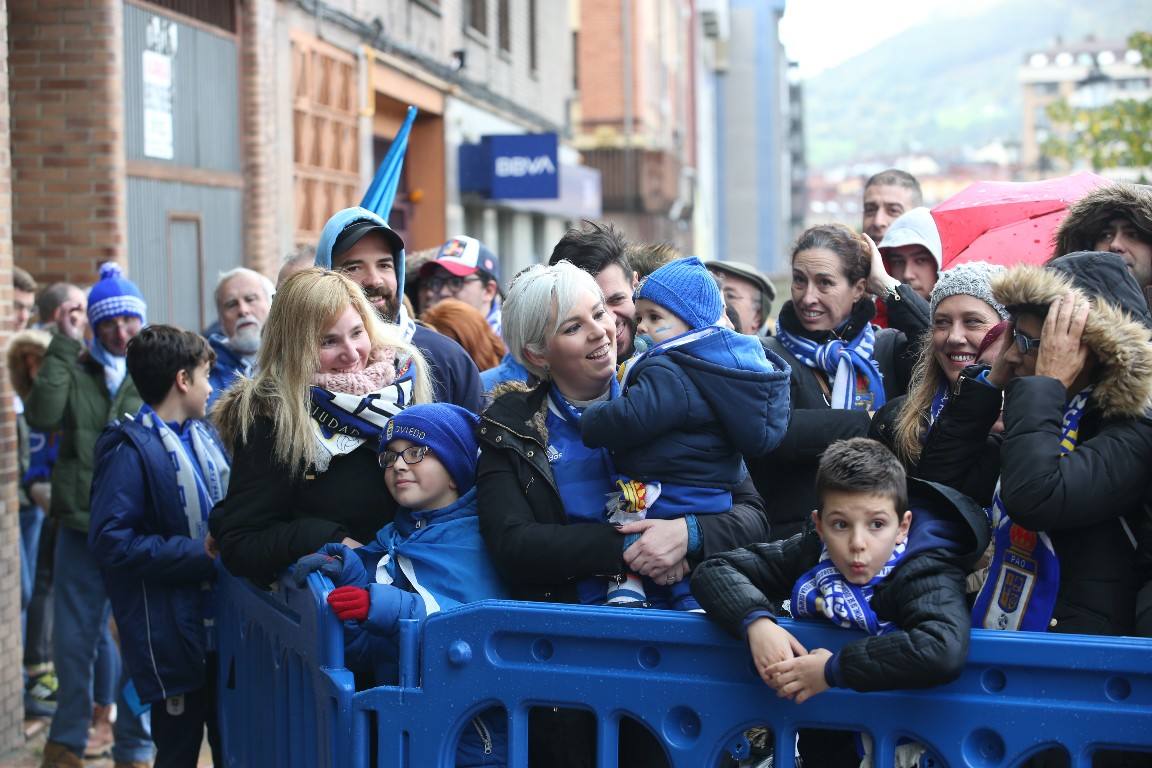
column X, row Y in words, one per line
column 360, row 244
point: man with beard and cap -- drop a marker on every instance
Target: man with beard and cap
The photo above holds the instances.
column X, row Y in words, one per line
column 600, row 250
column 243, row 297
column 1115, row 218
column 360, row 244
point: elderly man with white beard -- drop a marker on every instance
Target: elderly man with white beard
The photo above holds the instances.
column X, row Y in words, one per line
column 243, row 297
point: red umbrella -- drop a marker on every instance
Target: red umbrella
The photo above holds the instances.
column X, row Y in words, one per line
column 1005, row 222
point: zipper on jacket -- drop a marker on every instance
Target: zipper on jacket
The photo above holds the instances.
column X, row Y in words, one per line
column 485, row 736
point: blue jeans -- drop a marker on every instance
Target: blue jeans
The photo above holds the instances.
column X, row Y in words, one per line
column 31, row 521
column 81, row 614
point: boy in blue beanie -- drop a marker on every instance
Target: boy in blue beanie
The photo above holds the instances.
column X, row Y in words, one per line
column 693, row 406
column 430, row 558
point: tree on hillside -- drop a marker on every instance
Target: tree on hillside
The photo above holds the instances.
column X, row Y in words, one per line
column 1113, row 135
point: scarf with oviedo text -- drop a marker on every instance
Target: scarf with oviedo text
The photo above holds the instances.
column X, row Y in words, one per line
column 349, row 410
column 824, row 592
column 842, row 355
column 1024, row 576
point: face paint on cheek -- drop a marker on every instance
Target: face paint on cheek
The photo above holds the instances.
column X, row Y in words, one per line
column 662, row 329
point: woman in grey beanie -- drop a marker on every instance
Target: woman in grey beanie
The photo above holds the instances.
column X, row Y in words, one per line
column 962, row 312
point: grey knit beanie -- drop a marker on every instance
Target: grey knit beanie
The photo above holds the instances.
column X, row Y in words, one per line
column 972, row 278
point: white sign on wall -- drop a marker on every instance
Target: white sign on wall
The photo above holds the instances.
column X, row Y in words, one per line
column 160, row 48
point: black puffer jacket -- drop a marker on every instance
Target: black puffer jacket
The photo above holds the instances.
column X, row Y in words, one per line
column 787, row 476
column 923, row 596
column 522, row 517
column 1090, row 500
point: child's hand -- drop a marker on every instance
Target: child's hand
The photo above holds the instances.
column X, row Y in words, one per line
column 770, row 644
column 211, row 547
column 349, row 603
column 801, row 678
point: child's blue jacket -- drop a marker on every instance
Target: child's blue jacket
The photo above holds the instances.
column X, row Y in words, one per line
column 689, row 414
column 153, row 570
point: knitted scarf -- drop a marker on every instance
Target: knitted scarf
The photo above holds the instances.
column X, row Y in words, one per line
column 199, row 491
column 115, row 366
column 824, row 592
column 843, row 354
column 1024, row 575
column 350, row 409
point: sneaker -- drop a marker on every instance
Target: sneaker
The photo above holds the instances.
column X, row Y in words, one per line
column 40, row 695
column 57, row 755
column 627, row 592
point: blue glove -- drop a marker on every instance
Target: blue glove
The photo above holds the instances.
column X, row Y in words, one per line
column 350, row 571
column 325, row 564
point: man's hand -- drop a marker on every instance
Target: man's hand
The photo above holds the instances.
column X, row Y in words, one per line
column 660, row 548
column 71, row 320
column 771, row 644
column 880, row 283
column 802, row 677
column 1062, row 353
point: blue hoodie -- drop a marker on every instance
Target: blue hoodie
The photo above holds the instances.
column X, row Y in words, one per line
column 228, row 367
column 690, row 413
column 454, row 375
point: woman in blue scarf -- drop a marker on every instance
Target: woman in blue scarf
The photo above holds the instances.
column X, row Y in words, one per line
column 541, row 491
column 843, row 367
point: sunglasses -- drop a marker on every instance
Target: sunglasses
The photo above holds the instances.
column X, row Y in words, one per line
column 413, row 454
column 1026, row 344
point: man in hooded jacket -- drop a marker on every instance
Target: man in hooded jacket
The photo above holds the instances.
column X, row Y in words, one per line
column 360, row 244
column 1115, row 218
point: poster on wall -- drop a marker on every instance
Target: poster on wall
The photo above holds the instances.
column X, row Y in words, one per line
column 159, row 52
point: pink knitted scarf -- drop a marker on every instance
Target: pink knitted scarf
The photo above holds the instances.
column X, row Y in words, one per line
column 379, row 373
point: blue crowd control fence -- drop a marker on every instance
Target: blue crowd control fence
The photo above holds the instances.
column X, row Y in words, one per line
column 287, row 701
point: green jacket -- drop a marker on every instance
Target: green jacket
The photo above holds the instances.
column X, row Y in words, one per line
column 70, row 396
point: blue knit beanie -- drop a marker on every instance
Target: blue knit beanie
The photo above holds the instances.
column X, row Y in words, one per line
column 113, row 296
column 686, row 288
column 449, row 430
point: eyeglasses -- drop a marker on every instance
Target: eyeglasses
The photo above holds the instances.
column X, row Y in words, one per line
column 413, row 454
column 1026, row 344
column 453, row 284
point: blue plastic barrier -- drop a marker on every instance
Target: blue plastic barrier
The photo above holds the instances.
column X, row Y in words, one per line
column 693, row 686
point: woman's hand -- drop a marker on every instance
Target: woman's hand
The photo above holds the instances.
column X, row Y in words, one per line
column 662, row 545
column 880, row 283
column 351, row 543
column 1062, row 353
column 1003, row 370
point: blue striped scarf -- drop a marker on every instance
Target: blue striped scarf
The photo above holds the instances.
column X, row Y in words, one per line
column 842, row 360
column 824, row 592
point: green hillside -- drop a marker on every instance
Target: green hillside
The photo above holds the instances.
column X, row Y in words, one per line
column 949, row 83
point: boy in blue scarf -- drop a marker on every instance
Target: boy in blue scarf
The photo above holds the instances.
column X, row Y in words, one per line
column 429, row 559
column 157, row 477
column 698, row 401
column 885, row 554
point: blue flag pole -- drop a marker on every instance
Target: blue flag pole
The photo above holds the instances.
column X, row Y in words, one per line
column 381, row 192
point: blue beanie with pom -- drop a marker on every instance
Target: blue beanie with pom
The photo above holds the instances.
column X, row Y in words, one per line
column 448, row 430
column 114, row 296
column 686, row 288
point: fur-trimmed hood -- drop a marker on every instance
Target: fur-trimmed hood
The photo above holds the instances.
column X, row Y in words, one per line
column 512, row 401
column 1117, row 329
column 31, row 341
column 1080, row 230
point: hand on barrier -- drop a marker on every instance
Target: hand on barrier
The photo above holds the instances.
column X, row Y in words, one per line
column 770, row 644
column 802, row 677
column 318, row 561
column 349, row 603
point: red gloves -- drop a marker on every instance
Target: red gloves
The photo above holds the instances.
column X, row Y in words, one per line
column 349, row 603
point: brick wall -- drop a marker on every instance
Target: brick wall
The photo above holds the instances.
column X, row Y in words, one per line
column 68, row 169
column 257, row 56
column 11, row 653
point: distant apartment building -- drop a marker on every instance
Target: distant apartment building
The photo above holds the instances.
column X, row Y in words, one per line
column 1087, row 73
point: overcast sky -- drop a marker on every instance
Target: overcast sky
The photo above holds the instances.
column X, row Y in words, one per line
column 822, row 33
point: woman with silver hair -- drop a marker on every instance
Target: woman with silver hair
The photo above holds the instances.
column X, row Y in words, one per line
column 542, row 491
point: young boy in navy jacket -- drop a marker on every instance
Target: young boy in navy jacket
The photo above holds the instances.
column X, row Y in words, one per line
column 698, row 401
column 157, row 477
column 429, row 559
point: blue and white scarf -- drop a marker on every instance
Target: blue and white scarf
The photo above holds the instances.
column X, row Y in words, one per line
column 199, row 491
column 939, row 400
column 624, row 370
column 115, row 366
column 343, row 422
column 495, row 318
column 842, row 360
column 824, row 592
column 1024, row 576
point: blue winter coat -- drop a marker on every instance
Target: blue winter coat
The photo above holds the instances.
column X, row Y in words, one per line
column 690, row 413
column 454, row 375
column 227, row 368
column 153, row 570
column 420, row 564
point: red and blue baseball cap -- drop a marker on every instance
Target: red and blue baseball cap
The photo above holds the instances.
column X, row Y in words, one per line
column 463, row 256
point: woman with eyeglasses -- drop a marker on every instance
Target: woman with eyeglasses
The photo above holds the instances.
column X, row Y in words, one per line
column 304, row 430
column 1074, row 373
column 963, row 311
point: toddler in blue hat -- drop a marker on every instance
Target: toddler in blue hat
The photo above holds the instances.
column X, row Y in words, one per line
column 698, row 401
column 429, row 559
